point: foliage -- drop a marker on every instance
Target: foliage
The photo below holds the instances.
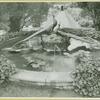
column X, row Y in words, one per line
column 7, row 68
column 55, row 41
column 53, row 38
column 93, row 8
column 83, row 17
column 92, row 33
column 17, row 13
column 4, row 26
column 86, row 75
column 85, row 22
column 14, row 34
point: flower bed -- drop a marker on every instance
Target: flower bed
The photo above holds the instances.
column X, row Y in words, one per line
column 7, row 68
column 86, row 75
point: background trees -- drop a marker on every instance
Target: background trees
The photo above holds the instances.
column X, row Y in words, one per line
column 14, row 14
column 93, row 8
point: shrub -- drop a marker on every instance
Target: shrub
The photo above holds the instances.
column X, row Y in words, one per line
column 86, row 75
column 7, row 68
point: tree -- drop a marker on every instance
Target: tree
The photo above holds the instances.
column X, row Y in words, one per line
column 17, row 11
column 94, row 10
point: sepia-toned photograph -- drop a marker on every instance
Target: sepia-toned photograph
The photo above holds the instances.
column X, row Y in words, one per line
column 50, row 49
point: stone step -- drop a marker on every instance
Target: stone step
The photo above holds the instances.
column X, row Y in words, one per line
column 52, row 79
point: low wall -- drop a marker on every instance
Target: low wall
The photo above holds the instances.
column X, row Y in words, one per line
column 61, row 80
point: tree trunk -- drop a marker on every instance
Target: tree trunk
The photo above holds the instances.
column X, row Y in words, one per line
column 77, row 37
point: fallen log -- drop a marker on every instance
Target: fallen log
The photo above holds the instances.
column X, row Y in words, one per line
column 13, row 40
column 27, row 38
column 93, row 43
column 74, row 36
column 41, row 31
column 84, row 32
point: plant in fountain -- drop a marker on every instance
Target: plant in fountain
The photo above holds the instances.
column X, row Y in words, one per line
column 86, row 75
column 7, row 68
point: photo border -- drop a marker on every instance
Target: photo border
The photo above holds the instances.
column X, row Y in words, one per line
column 47, row 98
